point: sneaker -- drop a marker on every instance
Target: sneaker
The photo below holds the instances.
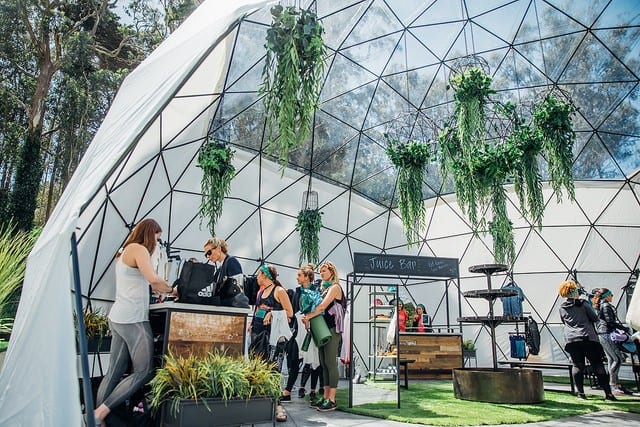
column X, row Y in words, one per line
column 285, row 398
column 312, row 396
column 610, row 397
column 327, row 406
column 617, row 392
column 581, row 396
column 301, row 392
column 315, row 403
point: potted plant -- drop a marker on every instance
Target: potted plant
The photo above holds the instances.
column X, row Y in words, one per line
column 215, row 159
column 214, row 390
column 291, row 77
column 411, row 158
column 97, row 331
column 309, row 225
column 552, row 117
column 468, row 349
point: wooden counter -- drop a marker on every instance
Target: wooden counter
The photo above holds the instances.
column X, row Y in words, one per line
column 198, row 329
column 435, row 354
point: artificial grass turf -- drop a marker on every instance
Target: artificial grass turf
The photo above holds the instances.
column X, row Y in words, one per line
column 433, row 403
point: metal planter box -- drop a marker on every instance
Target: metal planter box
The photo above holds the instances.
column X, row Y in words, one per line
column 220, row 413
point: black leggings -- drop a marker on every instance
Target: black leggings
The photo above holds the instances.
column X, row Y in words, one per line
column 293, row 362
column 592, row 351
column 315, row 374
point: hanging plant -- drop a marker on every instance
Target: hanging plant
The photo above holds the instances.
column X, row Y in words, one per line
column 411, row 159
column 552, row 117
column 472, row 90
column 309, row 225
column 526, row 177
column 480, row 166
column 291, row 77
column 217, row 173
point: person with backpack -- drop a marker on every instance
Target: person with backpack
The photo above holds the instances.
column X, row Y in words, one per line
column 608, row 322
column 581, row 338
column 332, row 308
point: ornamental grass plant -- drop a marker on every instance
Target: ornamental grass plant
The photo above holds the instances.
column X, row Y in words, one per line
column 15, row 246
column 215, row 376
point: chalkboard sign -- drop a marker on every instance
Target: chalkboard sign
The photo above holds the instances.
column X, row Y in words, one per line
column 405, row 265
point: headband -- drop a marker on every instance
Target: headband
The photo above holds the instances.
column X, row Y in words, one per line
column 605, row 294
column 266, row 271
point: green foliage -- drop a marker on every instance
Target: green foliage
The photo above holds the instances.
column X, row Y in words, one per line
column 96, row 323
column 552, row 117
column 480, row 167
column 14, row 247
column 215, row 160
column 215, row 376
column 468, row 345
column 472, row 90
column 309, row 225
column 291, row 78
column 411, row 159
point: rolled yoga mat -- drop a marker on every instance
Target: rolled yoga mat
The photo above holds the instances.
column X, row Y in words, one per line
column 320, row 330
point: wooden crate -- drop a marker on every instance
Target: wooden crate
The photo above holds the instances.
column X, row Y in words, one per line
column 435, row 354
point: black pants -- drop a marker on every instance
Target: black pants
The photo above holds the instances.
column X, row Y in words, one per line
column 293, row 362
column 591, row 351
column 315, row 374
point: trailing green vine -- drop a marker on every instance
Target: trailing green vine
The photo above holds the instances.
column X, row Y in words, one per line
column 480, row 166
column 411, row 159
column 217, row 173
column 552, row 117
column 309, row 225
column 472, row 90
column 291, row 77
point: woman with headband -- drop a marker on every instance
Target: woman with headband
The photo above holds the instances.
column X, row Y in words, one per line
column 608, row 323
column 272, row 297
column 581, row 339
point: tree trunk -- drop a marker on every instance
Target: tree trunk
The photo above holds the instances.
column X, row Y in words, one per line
column 24, row 197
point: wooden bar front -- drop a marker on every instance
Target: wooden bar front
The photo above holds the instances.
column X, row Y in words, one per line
column 198, row 329
column 435, row 354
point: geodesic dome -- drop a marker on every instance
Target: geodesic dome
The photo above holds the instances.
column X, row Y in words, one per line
column 387, row 60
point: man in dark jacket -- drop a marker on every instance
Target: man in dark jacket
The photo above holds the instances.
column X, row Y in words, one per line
column 581, row 338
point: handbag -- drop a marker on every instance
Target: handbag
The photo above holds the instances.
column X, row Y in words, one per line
column 231, row 295
column 618, row 336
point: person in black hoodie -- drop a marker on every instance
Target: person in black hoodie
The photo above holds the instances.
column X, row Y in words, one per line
column 608, row 323
column 581, row 338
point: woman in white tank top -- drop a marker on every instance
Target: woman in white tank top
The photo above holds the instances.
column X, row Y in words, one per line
column 129, row 318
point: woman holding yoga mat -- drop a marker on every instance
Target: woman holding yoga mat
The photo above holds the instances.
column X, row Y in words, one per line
column 332, row 309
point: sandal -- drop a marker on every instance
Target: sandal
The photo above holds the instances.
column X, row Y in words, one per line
column 281, row 415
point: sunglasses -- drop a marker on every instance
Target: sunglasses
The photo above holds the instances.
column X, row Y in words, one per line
column 208, row 253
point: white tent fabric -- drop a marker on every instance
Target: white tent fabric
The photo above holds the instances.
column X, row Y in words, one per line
column 142, row 164
column 39, row 378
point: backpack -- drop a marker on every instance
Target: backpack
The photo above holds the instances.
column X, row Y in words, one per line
column 196, row 283
column 532, row 334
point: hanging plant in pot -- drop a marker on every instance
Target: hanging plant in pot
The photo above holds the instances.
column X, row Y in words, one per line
column 552, row 118
column 309, row 225
column 411, row 159
column 291, row 77
column 217, row 173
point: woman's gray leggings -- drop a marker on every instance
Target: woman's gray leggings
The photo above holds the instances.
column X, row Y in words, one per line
column 615, row 358
column 130, row 341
